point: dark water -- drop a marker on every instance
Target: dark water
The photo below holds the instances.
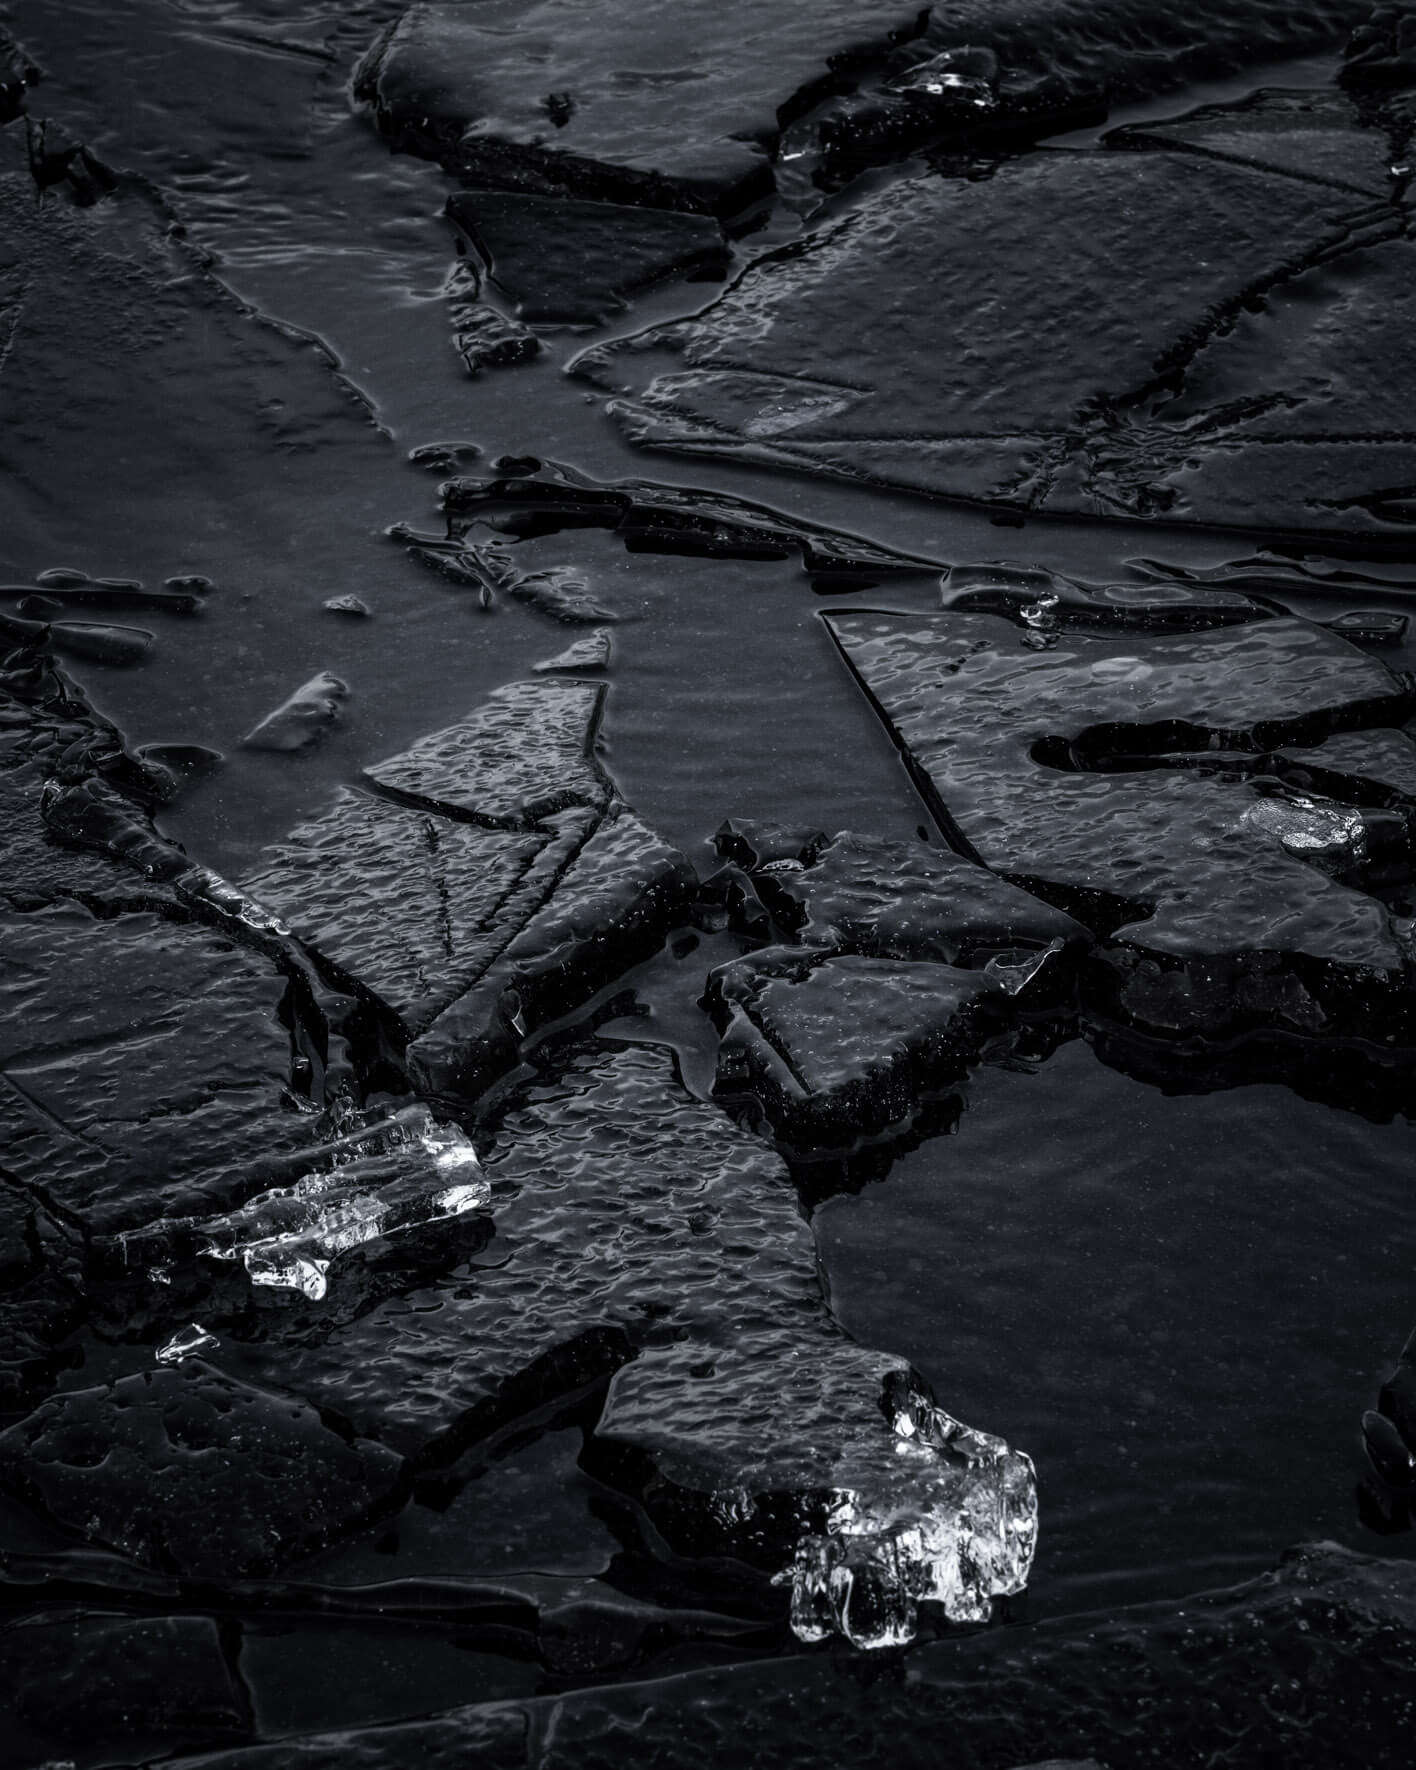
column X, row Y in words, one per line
column 1171, row 1300
column 1178, row 1304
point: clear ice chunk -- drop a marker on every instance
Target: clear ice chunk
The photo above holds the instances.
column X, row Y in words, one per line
column 284, row 1267
column 857, row 1586
column 187, row 1342
column 948, row 1517
column 287, row 1238
column 1316, row 830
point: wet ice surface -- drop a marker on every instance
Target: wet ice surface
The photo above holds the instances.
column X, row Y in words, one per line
column 480, row 1229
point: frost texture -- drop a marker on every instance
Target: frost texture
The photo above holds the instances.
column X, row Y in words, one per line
column 953, row 1522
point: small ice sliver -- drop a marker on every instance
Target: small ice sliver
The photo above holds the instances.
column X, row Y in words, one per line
column 187, row 1342
column 951, row 1520
column 288, row 1238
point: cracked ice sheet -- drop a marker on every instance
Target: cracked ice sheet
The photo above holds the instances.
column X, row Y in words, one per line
column 565, row 262
column 680, row 104
column 610, row 907
column 177, row 1066
column 971, row 703
column 67, row 1678
column 671, row 101
column 641, row 1229
column 413, row 895
column 1312, row 134
column 837, row 1046
column 896, row 900
column 580, row 1247
column 1000, row 385
column 202, row 1474
column 1089, row 50
column 109, row 311
column 526, row 752
column 1220, row 1664
column 412, row 906
column 1303, row 413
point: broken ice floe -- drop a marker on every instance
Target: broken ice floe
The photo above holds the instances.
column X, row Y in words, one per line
column 954, row 1522
column 288, row 1237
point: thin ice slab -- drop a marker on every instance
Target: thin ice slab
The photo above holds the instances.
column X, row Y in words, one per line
column 1144, row 779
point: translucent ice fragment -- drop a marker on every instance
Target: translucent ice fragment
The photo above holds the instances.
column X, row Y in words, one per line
column 858, row 1586
column 285, row 1268
column 1014, row 971
column 302, row 719
column 591, row 653
column 948, row 1517
column 1002, row 576
column 288, row 1237
column 451, row 1151
column 1312, row 829
column 966, row 74
column 203, row 885
column 187, row 1342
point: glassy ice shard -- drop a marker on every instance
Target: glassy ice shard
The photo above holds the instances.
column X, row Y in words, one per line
column 951, row 1521
column 1014, row 971
column 187, row 1342
column 288, row 1237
